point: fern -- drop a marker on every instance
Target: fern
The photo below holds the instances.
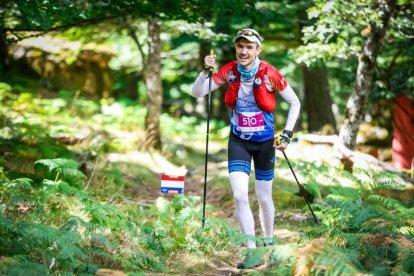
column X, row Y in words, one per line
column 386, row 180
column 3, row 177
column 361, row 216
column 75, row 224
column 20, row 265
column 64, row 169
column 349, row 240
column 389, row 203
column 335, row 260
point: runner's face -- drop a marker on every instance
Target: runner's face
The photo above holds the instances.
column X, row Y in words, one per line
column 246, row 52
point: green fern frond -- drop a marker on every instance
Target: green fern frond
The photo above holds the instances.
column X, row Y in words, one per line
column 41, row 234
column 3, row 177
column 342, row 201
column 348, row 175
column 388, row 203
column 86, row 269
column 407, row 260
column 386, row 180
column 319, row 231
column 335, row 260
column 64, row 169
column 62, row 188
column 361, row 216
column 53, row 164
column 101, row 256
column 100, row 241
column 20, row 183
column 75, row 223
column 71, row 173
column 20, row 265
column 8, row 227
column 349, row 240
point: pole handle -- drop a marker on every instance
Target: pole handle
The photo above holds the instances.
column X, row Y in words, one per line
column 210, row 70
column 277, row 139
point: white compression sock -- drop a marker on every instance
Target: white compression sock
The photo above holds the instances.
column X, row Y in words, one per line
column 267, row 208
column 240, row 186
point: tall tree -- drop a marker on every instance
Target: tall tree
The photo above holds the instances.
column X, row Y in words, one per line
column 345, row 29
column 154, row 87
column 287, row 34
column 355, row 107
column 318, row 101
column 3, row 37
column 42, row 16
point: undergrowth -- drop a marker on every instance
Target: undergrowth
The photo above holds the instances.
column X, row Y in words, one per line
column 53, row 222
column 362, row 230
column 55, row 226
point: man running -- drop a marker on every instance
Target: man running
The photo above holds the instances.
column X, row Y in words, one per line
column 252, row 85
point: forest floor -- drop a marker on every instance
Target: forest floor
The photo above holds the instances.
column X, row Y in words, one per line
column 289, row 215
column 292, row 215
column 104, row 139
column 291, row 218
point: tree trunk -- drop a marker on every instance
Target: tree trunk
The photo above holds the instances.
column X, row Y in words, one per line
column 318, row 101
column 356, row 105
column 3, row 45
column 153, row 83
column 223, row 25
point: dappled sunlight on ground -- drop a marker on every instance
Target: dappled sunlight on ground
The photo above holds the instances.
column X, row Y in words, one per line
column 151, row 160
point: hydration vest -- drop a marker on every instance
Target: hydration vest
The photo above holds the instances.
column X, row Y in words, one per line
column 265, row 99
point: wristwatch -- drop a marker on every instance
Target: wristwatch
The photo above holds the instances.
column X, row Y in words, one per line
column 288, row 133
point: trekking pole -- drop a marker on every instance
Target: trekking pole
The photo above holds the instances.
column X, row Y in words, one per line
column 210, row 73
column 301, row 189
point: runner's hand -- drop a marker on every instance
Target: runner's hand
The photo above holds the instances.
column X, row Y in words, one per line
column 209, row 61
column 279, row 145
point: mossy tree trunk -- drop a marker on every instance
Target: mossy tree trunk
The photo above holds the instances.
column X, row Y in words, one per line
column 3, row 44
column 356, row 105
column 154, row 86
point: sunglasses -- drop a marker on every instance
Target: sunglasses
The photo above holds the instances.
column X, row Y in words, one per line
column 247, row 32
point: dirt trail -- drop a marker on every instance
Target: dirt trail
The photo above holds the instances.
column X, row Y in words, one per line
column 217, row 195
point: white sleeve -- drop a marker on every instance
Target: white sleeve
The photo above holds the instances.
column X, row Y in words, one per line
column 200, row 86
column 294, row 106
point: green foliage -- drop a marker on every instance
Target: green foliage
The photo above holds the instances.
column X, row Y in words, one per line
column 338, row 32
column 364, row 229
column 54, row 227
column 64, row 169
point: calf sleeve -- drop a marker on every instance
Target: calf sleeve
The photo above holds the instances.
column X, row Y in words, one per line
column 267, row 209
column 240, row 186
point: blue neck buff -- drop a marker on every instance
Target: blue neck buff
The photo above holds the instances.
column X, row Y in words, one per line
column 247, row 74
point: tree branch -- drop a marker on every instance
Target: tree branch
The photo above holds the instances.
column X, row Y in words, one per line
column 391, row 67
column 57, row 28
column 133, row 35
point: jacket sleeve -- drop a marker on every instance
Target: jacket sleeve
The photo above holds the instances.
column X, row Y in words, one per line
column 294, row 106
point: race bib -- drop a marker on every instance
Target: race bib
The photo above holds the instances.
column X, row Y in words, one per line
column 250, row 121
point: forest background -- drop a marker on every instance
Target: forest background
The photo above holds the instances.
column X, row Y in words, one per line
column 96, row 104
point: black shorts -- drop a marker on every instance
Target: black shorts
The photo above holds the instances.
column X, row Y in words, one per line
column 242, row 151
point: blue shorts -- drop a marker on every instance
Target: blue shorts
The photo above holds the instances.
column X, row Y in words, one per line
column 241, row 152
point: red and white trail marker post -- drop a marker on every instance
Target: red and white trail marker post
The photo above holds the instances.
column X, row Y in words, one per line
column 172, row 184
